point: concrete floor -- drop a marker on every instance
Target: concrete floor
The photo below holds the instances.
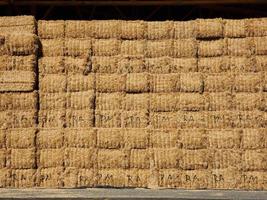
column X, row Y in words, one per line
column 130, row 194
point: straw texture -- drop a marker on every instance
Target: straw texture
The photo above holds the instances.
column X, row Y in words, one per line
column 171, row 104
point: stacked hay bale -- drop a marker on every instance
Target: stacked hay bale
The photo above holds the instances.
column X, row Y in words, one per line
column 66, row 117
column 153, row 104
column 18, row 101
column 134, row 104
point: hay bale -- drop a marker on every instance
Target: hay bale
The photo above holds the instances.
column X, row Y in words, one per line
column 52, row 47
column 163, row 120
column 80, row 157
column 159, row 30
column 242, row 64
column 21, row 138
column 5, row 177
column 247, row 82
column 184, row 29
column 184, row 65
column 209, row 28
column 158, row 48
column 212, row 65
column 131, row 65
column 76, row 29
column 78, row 83
column 17, row 81
column 193, row 139
column 224, row 139
column 86, row 178
column 50, row 138
column 166, row 158
column 234, row 28
column 219, row 101
column 103, row 82
column 52, row 83
column 51, row 29
column 23, row 178
column 211, row 48
column 51, row 65
column 225, row 158
column 108, row 119
column 253, row 180
column 195, row 179
column 20, row 119
column 133, row 29
column 18, row 63
column 159, row 65
column 224, row 178
column 51, row 158
column 111, row 177
column 77, row 47
column 191, row 82
column 164, row 138
column 106, row 47
column 18, row 101
column 50, row 177
column 136, row 102
column 104, row 29
column 51, row 118
column 239, row 46
column 191, row 119
column 109, row 101
column 135, row 119
column 79, row 118
column 133, row 47
column 136, row 138
column 254, row 139
column 194, row 159
column 170, row 178
column 81, row 100
column 8, row 21
column 248, row 119
column 164, row 82
column 140, row 158
column 137, row 82
column 260, row 63
column 110, row 138
column 247, row 101
column 16, row 161
column 218, row 82
column 136, row 178
column 256, row 27
column 219, row 119
column 260, row 45
column 52, row 101
column 80, row 138
column 184, row 48
column 191, row 102
column 161, row 102
column 254, row 160
column 113, row 159
column 20, row 44
column 105, row 64
column 24, row 29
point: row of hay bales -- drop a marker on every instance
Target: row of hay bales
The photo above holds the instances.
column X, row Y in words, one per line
column 133, row 103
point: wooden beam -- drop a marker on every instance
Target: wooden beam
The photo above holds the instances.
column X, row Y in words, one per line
column 83, row 194
column 133, row 3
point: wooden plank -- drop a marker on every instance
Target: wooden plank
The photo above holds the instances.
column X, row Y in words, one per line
column 132, row 3
column 101, row 193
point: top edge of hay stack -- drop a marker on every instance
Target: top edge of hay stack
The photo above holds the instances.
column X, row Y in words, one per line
column 170, row 104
